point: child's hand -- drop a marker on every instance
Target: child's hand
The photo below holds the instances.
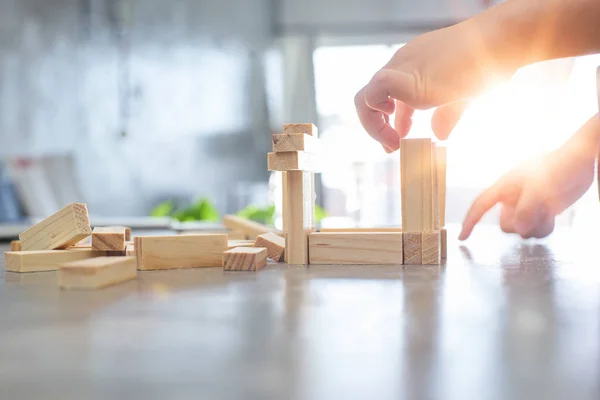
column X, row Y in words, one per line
column 533, row 195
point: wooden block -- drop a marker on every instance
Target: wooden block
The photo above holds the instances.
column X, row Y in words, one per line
column 15, row 245
column 416, row 182
column 361, row 230
column 245, row 259
column 110, row 238
column 309, row 129
column 274, row 244
column 285, row 142
column 355, row 248
column 250, row 228
column 171, row 252
column 44, row 260
column 59, row 231
column 434, row 189
column 232, row 244
column 412, row 248
column 96, row 273
column 441, row 161
column 285, row 202
column 236, row 235
column 300, row 215
column 292, row 161
column 130, row 250
column 431, row 249
column 444, row 243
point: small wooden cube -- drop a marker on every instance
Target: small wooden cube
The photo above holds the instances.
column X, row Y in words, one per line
column 431, row 250
column 15, row 245
column 245, row 259
column 109, row 238
column 274, row 244
column 412, row 248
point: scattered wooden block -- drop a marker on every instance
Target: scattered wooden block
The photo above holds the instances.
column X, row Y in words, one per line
column 274, row 244
column 416, row 182
column 444, row 243
column 361, row 230
column 309, row 129
column 412, row 248
column 130, row 250
column 430, row 253
column 232, row 244
column 300, row 215
column 15, row 245
column 245, row 259
column 295, row 142
column 292, row 161
column 111, row 238
column 96, row 273
column 182, row 251
column 251, row 229
column 59, row 231
column 355, row 248
column 44, row 260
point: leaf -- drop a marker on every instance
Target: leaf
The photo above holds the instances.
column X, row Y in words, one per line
column 320, row 214
column 208, row 211
column 261, row 215
column 164, row 209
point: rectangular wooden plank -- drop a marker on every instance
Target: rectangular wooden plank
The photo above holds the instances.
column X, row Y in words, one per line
column 286, row 142
column 15, row 245
column 309, row 129
column 431, row 249
column 412, row 248
column 355, row 248
column 300, row 214
column 441, row 161
column 250, row 228
column 232, row 244
column 434, row 188
column 284, row 208
column 362, row 230
column 44, row 260
column 59, row 231
column 97, row 273
column 292, row 161
column 274, row 244
column 245, row 259
column 444, row 243
column 110, row 238
column 416, row 185
column 182, row 251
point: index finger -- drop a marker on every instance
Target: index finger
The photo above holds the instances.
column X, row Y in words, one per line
column 375, row 123
column 486, row 200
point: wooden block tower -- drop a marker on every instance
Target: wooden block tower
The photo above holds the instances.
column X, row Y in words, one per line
column 295, row 153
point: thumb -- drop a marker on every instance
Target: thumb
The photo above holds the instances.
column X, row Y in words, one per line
column 446, row 117
column 527, row 211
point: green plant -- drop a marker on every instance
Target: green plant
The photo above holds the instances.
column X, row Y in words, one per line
column 263, row 215
column 320, row 214
column 202, row 210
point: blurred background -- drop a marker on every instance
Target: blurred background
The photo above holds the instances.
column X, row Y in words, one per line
column 153, row 107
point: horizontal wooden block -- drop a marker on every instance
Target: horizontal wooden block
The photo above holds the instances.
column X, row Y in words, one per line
column 44, row 260
column 59, row 231
column 236, row 235
column 232, row 244
column 293, row 161
column 412, row 248
column 444, row 243
column 431, row 249
column 97, row 273
column 245, row 259
column 355, row 248
column 361, row 230
column 109, row 238
column 15, row 245
column 250, row 228
column 274, row 244
column 286, row 142
column 309, row 129
column 182, row 251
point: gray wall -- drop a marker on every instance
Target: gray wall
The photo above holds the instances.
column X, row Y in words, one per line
column 151, row 98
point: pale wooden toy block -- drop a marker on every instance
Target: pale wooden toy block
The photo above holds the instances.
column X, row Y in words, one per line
column 172, row 252
column 431, row 249
column 274, row 244
column 245, row 259
column 111, row 238
column 44, row 260
column 300, row 215
column 284, row 210
column 97, row 273
column 444, row 243
column 412, row 248
column 309, row 129
column 59, row 231
column 441, row 161
column 292, row 161
column 348, row 248
column 130, row 250
column 236, row 235
column 362, row 230
column 250, row 228
column 416, row 182
column 285, row 142
column 434, row 189
column 232, row 244
column 15, row 245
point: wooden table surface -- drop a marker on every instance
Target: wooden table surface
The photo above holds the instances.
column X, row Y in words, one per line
column 504, row 319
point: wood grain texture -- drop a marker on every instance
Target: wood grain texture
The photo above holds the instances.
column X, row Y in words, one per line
column 250, row 228
column 232, row 244
column 431, row 249
column 97, row 273
column 15, row 245
column 44, row 260
column 355, row 248
column 286, row 142
column 285, row 202
column 444, row 243
column 441, row 161
column 274, row 244
column 110, row 238
column 434, row 188
column 59, row 231
column 416, row 185
column 412, row 248
column 300, row 214
column 362, row 230
column 309, row 129
column 182, row 251
column 292, row 161
column 245, row 259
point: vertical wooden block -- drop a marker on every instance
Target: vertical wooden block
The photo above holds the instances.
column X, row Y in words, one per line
column 96, row 273
column 15, row 245
column 59, row 231
column 274, row 244
column 441, row 160
column 416, row 185
column 111, row 238
column 309, row 129
column 413, row 248
column 431, row 253
column 300, row 214
column 284, row 201
column 434, row 188
column 130, row 250
column 245, row 259
column 444, row 243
